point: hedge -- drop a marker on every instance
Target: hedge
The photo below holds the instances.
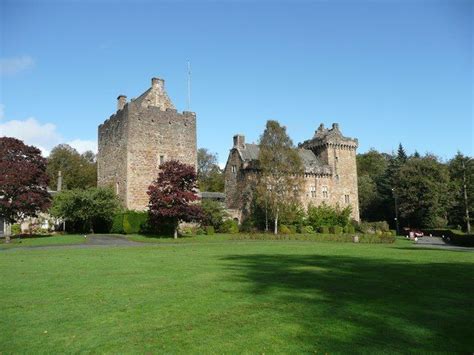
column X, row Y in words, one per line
column 129, row 222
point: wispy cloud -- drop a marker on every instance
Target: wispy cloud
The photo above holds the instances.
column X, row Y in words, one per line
column 45, row 136
column 11, row 66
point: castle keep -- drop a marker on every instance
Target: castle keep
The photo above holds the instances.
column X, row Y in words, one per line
column 330, row 172
column 137, row 138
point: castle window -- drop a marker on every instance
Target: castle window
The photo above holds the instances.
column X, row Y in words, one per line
column 234, row 169
column 325, row 192
column 162, row 159
column 337, row 177
column 116, row 188
column 312, row 190
column 346, row 199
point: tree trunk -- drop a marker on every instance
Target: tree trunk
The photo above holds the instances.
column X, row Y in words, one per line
column 276, row 222
column 7, row 230
column 468, row 222
column 266, row 215
column 176, row 233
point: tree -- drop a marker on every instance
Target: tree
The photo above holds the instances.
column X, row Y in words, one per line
column 401, row 154
column 86, row 210
column 210, row 175
column 281, row 170
column 78, row 171
column 23, row 181
column 423, row 192
column 461, row 169
column 172, row 195
column 371, row 170
column 213, row 213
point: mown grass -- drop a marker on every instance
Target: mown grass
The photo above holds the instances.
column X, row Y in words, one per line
column 42, row 240
column 234, row 297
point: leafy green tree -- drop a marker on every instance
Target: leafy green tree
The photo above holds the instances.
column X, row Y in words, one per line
column 281, row 170
column 210, row 175
column 371, row 169
column 327, row 216
column 78, row 171
column 423, row 192
column 461, row 170
column 86, row 210
column 213, row 213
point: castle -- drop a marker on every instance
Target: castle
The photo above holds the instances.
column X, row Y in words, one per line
column 137, row 138
column 330, row 172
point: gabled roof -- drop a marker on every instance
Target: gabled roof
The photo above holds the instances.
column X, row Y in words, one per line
column 249, row 154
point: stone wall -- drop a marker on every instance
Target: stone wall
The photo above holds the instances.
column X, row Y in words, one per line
column 140, row 136
column 156, row 136
column 112, row 154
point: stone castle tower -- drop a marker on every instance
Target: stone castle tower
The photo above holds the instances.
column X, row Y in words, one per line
column 330, row 175
column 137, row 138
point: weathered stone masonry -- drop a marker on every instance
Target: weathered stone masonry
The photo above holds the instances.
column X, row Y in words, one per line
column 141, row 135
column 329, row 161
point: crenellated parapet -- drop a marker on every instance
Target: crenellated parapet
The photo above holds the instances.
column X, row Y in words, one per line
column 329, row 138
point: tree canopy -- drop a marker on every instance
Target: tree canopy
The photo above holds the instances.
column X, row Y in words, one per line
column 86, row 210
column 172, row 195
column 210, row 175
column 281, row 170
column 78, row 171
column 23, row 180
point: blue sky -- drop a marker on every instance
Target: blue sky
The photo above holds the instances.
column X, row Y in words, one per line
column 386, row 71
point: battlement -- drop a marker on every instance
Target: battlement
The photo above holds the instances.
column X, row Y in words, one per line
column 333, row 137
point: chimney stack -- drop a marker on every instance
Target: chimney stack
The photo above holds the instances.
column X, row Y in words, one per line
column 157, row 83
column 239, row 141
column 121, row 101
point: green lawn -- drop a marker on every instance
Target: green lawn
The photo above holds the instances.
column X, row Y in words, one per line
column 43, row 240
column 237, row 296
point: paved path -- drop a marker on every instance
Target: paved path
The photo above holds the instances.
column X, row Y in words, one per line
column 92, row 240
column 437, row 242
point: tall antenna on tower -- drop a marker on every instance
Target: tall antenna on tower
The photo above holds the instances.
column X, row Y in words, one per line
column 189, row 85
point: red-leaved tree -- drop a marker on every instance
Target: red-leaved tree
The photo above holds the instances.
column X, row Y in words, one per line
column 23, row 181
column 172, row 196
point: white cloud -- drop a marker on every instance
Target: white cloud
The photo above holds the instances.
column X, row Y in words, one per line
column 42, row 135
column 83, row 145
column 11, row 66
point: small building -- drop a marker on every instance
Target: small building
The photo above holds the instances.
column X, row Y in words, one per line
column 330, row 171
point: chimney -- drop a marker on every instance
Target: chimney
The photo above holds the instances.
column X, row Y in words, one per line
column 239, row 141
column 60, row 181
column 121, row 101
column 335, row 126
column 157, row 83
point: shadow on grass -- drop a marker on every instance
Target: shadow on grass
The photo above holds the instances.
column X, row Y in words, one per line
column 352, row 304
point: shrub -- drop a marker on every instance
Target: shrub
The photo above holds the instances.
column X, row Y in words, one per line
column 200, row 231
column 324, row 215
column 213, row 213
column 335, row 230
column 130, row 222
column 393, row 232
column 308, row 230
column 229, row 226
column 373, row 227
column 117, row 224
column 323, row 229
column 349, row 229
column 134, row 222
column 16, row 229
column 284, row 229
column 188, row 231
column 209, row 230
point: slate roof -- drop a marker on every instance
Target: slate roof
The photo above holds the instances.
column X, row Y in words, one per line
column 310, row 162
